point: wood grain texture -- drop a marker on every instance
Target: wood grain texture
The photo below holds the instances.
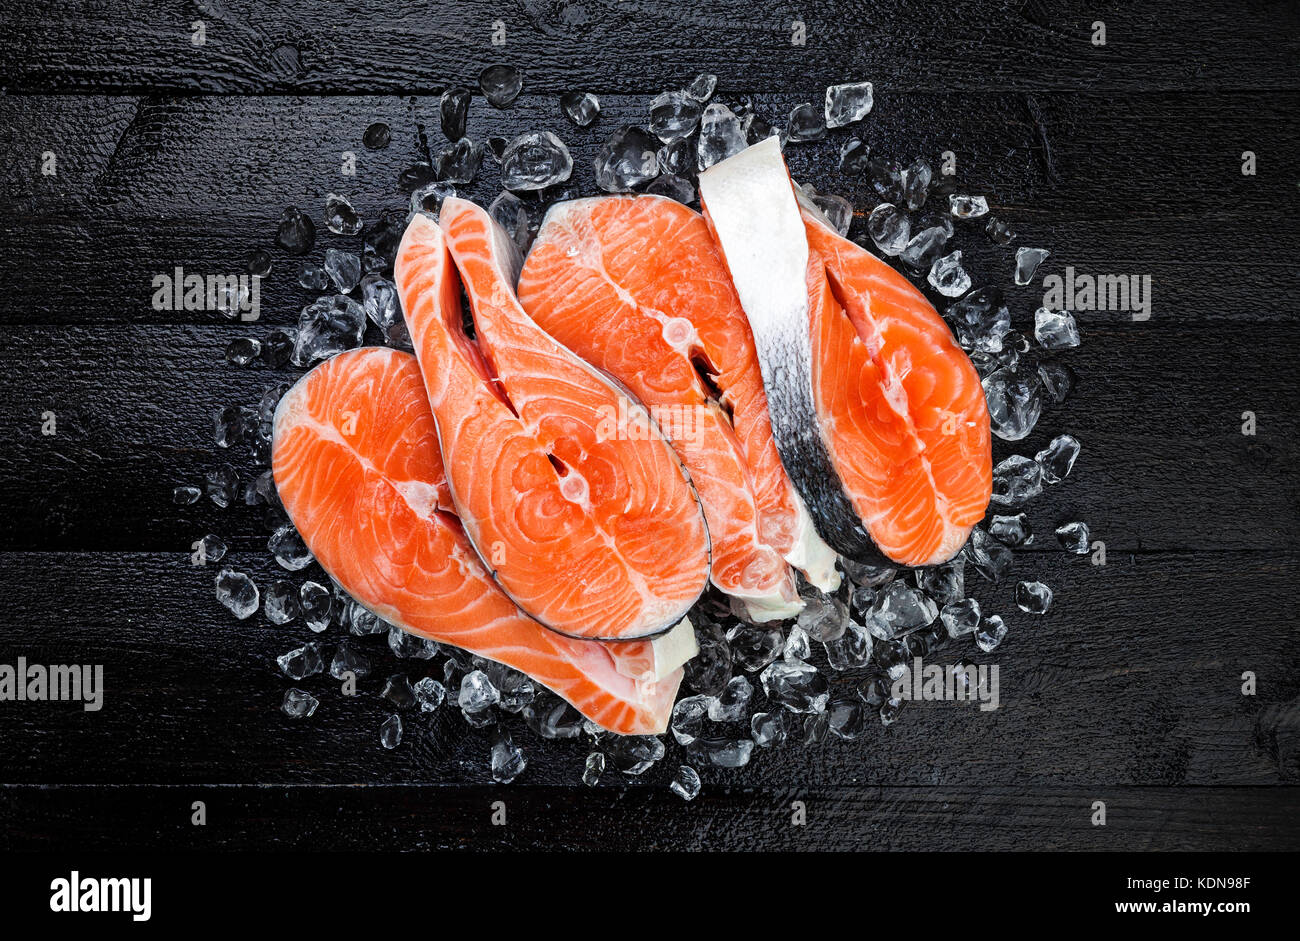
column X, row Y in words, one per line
column 1123, row 159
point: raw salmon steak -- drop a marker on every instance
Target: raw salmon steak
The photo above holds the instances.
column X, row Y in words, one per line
column 879, row 416
column 571, row 495
column 635, row 285
column 356, row 462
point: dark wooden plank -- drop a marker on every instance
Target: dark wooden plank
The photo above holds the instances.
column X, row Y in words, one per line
column 333, row 47
column 1134, row 678
column 148, row 184
column 423, row 818
column 1158, row 409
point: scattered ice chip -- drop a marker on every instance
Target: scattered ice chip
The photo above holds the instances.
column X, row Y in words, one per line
column 289, row 549
column 924, row 248
column 230, row 425
column 721, row 135
column 889, row 228
column 582, row 108
column 837, row 209
column 552, row 718
column 629, row 158
column 766, row 729
column 945, row 583
column 534, row 161
column 1011, row 530
column 1016, row 480
column 1055, row 329
column 854, row 156
column 948, row 277
column 892, row 657
column 429, row 694
column 797, row 686
column 210, row 549
column 327, row 326
column 898, row 609
column 874, row 690
column 453, row 110
column 999, row 232
column 1074, row 537
column 477, row 692
column 301, row 662
column 990, row 558
column 805, row 124
column 847, row 718
column 960, row 617
column 1015, row 401
column 866, row 575
column 889, row 710
column 677, row 158
column 390, row 732
column 967, row 207
column 258, row 262
column 377, row 136
column 674, row 115
column 887, row 179
column 416, row 175
column 824, row 617
column 408, row 646
column 430, row 197
column 313, row 277
column 282, row 604
column 687, row 722
column 459, row 161
column 398, row 691
column 990, row 633
column 1057, row 459
column 754, row 646
column 724, row 752
column 1057, row 379
column 186, row 495
column 798, row 646
column 674, row 187
column 298, row 703
column 851, row 651
column 379, row 298
column 243, row 350
column 815, row 728
column 1033, row 597
column 501, row 84
column 708, row 671
column 340, row 217
column 848, row 103
column 686, row 783
column 702, row 86
column 507, row 760
column 757, row 129
column 221, row 485
column 1027, row 262
column 916, row 183
column 509, row 212
column 980, row 320
column 237, row 592
column 317, row 605
column 297, row 233
column 593, row 768
column 634, row 754
column 733, row 702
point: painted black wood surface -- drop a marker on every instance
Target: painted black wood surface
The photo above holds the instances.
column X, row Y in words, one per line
column 1122, row 159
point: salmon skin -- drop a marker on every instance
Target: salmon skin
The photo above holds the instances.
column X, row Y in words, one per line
column 879, row 416
column 569, row 492
column 635, row 285
column 356, row 463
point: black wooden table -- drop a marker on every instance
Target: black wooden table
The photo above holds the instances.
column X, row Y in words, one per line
column 1122, row 158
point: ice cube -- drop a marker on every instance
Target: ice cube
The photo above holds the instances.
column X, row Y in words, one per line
column 453, row 110
column 702, row 86
column 686, row 783
column 289, row 549
column 298, row 703
column 889, row 228
column 379, row 298
column 477, row 693
column 674, row 115
column 1033, row 597
column 301, row 662
column 824, row 617
column 552, row 718
column 534, row 161
column 237, row 592
column 999, row 232
column 1057, row 379
column 848, row 103
column 754, row 646
column 837, row 209
column 674, row 187
column 733, row 702
column 407, row 645
column 967, row 207
column 1074, row 537
column 866, row 575
column 507, row 760
column 991, row 632
column 916, row 183
column 634, row 754
column 854, row 157
column 629, row 158
column 887, row 179
column 430, row 197
column 593, row 769
column 282, row 604
column 243, row 350
column 509, row 212
column 798, row 646
column 340, row 217
column 923, row 248
column 1011, row 530
column 1016, row 480
column 377, row 136
column 766, row 729
column 459, row 161
column 1027, row 262
column 990, row 558
column 815, row 728
column 851, row 651
column 960, row 617
column 874, row 690
column 980, row 320
column 898, row 609
column 211, row 548
column 221, row 485
column 348, row 660
column 1015, row 400
column 297, row 233
column 230, row 425
column 500, row 84
column 313, row 277
column 582, row 108
column 1055, row 329
column 721, row 135
column 687, row 722
column 677, row 159
column 945, row 583
column 327, row 326
column 846, row 718
column 708, row 671
column 948, row 277
column 724, row 752
column 805, row 124
column 892, row 657
column 797, row 686
column 1057, row 459
column 390, row 732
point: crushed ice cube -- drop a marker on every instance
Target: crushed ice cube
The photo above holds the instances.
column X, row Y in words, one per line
column 798, row 646
column 674, row 115
column 846, row 718
column 301, row 662
column 1027, row 262
column 999, row 232
column 687, row 722
column 500, row 84
column 282, row 604
column 948, row 277
column 582, row 108
column 243, row 350
column 211, row 548
column 1074, row 537
column 477, row 692
column 854, row 157
column 313, row 277
column 686, row 783
column 721, row 135
column 221, row 485
column 453, row 110
column 945, row 583
column 377, row 136
column 1057, row 379
column 509, row 212
column 708, row 671
column 407, row 645
column 889, row 228
column 348, row 660
column 732, row 703
column 754, row 646
column 916, row 183
column 1011, row 530
column 1057, row 459
column 898, row 609
column 990, row 558
column 851, row 650
column 674, row 187
column 980, row 320
column 837, row 209
column 593, row 768
column 967, row 207
column 289, row 549
column 298, row 703
column 327, row 326
column 805, row 124
column 429, row 694
column 848, row 103
column 629, row 158
column 887, row 179
column 534, row 161
column 797, row 686
column 297, row 233
column 991, row 632
column 924, row 248
column 459, row 161
column 237, row 592
column 1033, row 597
column 340, row 217
column 824, row 617
column 960, row 617
column 508, row 760
column 702, row 86
column 553, row 718
column 1055, row 329
column 1015, row 401
column 724, row 752
column 634, row 754
column 390, row 732
column 430, row 197
column 767, row 729
column 1016, row 480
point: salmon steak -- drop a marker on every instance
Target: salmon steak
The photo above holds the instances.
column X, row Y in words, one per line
column 636, row 286
column 356, row 462
column 574, row 499
column 879, row 416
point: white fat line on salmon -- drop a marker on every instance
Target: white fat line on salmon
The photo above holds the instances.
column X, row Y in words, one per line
column 34, row 682
column 1129, row 293
column 228, row 293
column 956, row 682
